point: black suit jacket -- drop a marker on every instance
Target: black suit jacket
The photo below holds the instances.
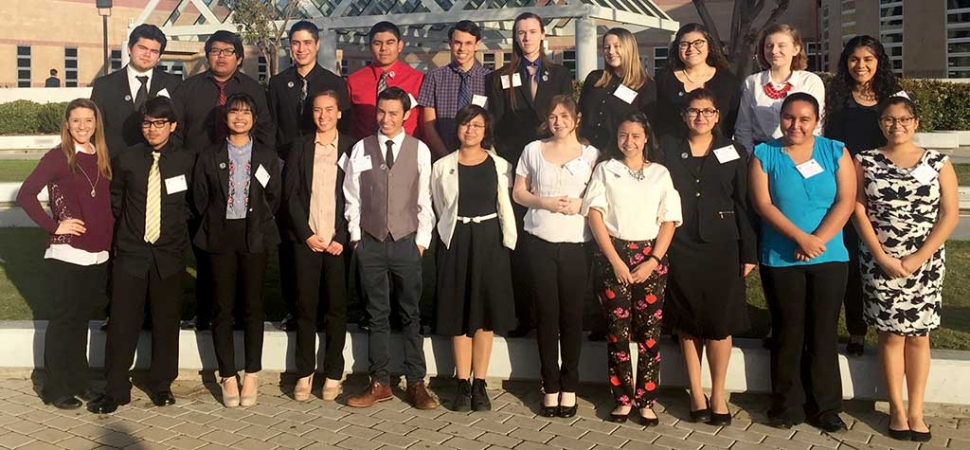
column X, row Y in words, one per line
column 516, row 114
column 297, row 182
column 129, row 190
column 122, row 123
column 284, row 102
column 210, row 193
column 722, row 212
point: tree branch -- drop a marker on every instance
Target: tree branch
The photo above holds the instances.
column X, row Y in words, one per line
column 709, row 22
column 780, row 7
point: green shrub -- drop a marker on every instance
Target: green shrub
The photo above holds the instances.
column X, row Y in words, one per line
column 49, row 118
column 19, row 117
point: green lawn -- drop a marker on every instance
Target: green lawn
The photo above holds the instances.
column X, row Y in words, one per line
column 963, row 173
column 23, row 285
column 16, row 169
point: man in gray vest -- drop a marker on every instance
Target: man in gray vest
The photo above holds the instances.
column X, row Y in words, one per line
column 388, row 193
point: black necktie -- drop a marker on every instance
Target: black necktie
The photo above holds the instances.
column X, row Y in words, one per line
column 142, row 94
column 389, row 156
column 303, row 95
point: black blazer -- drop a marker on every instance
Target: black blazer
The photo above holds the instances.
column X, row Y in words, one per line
column 516, row 114
column 671, row 102
column 122, row 123
column 284, row 102
column 210, row 193
column 603, row 111
column 297, row 181
column 722, row 212
column 129, row 191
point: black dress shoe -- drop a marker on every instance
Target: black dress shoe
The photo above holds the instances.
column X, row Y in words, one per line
column 69, row 402
column 289, row 323
column 702, row 415
column 781, row 423
column 567, row 411
column 619, row 418
column 463, row 397
column 548, row 411
column 855, row 348
column 648, row 421
column 104, row 404
column 829, row 422
column 104, row 325
column 920, row 436
column 163, row 398
column 720, row 420
column 480, row 400
column 901, row 435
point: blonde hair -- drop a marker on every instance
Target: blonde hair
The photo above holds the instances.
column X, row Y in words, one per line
column 630, row 72
column 799, row 61
column 100, row 145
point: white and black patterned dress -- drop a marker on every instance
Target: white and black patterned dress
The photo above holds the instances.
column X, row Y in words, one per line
column 902, row 211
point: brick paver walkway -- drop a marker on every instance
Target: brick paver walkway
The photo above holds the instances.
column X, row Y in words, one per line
column 198, row 421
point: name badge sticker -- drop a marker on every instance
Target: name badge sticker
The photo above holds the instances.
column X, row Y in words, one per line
column 262, row 176
column 726, row 154
column 626, row 94
column 175, row 185
column 576, row 166
column 924, row 174
column 516, row 81
column 342, row 162
column 809, row 168
column 361, row 164
column 414, row 101
column 479, row 100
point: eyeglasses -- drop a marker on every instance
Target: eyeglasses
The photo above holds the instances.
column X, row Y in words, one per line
column 903, row 121
column 697, row 44
column 474, row 126
column 222, row 52
column 156, row 124
column 706, row 112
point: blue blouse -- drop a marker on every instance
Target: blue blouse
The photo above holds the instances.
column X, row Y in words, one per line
column 804, row 201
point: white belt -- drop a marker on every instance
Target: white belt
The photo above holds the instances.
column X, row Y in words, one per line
column 478, row 219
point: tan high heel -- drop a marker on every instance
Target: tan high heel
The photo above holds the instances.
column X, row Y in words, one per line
column 249, row 400
column 330, row 393
column 229, row 399
column 301, row 393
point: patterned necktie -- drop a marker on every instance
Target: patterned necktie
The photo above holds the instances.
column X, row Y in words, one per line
column 382, row 83
column 153, row 202
column 533, row 81
column 303, row 96
column 222, row 130
column 142, row 95
column 464, row 90
column 389, row 155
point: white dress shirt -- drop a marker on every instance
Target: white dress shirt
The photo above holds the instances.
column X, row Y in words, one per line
column 134, row 84
column 633, row 210
column 759, row 115
column 552, row 180
column 352, row 188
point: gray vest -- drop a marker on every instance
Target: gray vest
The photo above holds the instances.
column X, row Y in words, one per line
column 389, row 197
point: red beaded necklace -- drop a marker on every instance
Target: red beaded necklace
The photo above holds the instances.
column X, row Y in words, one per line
column 777, row 94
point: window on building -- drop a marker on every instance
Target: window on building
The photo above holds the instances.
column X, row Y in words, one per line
column 70, row 67
column 262, row 69
column 488, row 61
column 506, row 57
column 115, row 60
column 23, row 66
column 173, row 67
column 344, row 69
column 659, row 59
column 958, row 38
column 891, row 31
column 569, row 61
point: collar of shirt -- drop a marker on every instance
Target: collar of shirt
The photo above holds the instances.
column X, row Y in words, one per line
column 377, row 71
column 538, row 63
column 212, row 76
column 314, row 71
column 247, row 147
column 134, row 84
column 336, row 137
column 80, row 149
column 796, row 79
column 398, row 140
column 471, row 70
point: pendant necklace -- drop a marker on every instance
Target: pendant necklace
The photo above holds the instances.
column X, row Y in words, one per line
column 96, row 180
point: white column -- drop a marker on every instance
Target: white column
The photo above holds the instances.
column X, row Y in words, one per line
column 327, row 54
column 585, row 47
column 124, row 48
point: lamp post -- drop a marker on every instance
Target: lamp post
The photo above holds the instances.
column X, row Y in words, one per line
column 104, row 10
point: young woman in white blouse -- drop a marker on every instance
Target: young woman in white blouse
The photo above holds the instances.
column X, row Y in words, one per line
column 550, row 180
column 632, row 209
column 782, row 53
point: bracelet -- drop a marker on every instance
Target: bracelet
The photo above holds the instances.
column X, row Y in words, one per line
column 654, row 257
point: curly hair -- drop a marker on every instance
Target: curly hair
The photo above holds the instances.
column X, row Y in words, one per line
column 884, row 83
column 715, row 54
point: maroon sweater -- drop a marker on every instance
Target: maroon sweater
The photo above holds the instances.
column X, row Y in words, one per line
column 70, row 198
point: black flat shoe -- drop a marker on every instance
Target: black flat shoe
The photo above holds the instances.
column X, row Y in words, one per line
column 69, row 402
column 619, row 418
column 720, row 420
column 163, row 398
column 649, row 422
column 830, row 422
column 900, row 435
column 702, row 415
column 549, row 411
column 104, row 404
column 567, row 411
column 855, row 348
column 920, row 436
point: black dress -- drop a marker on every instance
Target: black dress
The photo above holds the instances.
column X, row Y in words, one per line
column 474, row 275
column 856, row 126
column 669, row 121
column 706, row 294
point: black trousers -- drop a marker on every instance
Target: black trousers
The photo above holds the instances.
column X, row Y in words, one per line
column 287, row 266
column 128, row 297
column 521, row 282
column 855, row 320
column 77, row 291
column 321, row 281
column 238, row 276
column 203, row 279
column 560, row 275
column 804, row 302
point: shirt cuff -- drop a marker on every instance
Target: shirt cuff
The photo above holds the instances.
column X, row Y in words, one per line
column 355, row 235
column 423, row 239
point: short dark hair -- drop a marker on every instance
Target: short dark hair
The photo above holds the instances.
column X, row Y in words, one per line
column 715, row 54
column 226, row 37
column 466, row 26
column 241, row 98
column 150, row 32
column 305, row 25
column 159, row 108
column 470, row 112
column 396, row 93
column 53, row 72
column 324, row 93
column 383, row 27
column 801, row 97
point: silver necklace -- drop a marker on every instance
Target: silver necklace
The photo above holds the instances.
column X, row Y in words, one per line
column 96, row 180
column 637, row 174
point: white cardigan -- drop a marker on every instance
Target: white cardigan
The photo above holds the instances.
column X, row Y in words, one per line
column 444, row 194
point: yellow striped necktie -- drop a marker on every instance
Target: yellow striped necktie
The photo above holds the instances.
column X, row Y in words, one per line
column 153, row 206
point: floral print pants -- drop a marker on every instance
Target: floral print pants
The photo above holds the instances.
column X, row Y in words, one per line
column 634, row 313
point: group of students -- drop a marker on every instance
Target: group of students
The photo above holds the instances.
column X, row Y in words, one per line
column 634, row 195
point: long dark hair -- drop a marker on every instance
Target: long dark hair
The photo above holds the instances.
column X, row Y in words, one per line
column 715, row 55
column 884, row 83
column 650, row 149
column 515, row 64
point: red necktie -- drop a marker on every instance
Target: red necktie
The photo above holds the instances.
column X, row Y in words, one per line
column 222, row 130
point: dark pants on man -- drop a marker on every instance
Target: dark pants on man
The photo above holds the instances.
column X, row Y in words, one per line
column 77, row 291
column 560, row 276
column 804, row 302
column 321, row 281
column 401, row 259
column 164, row 297
column 238, row 276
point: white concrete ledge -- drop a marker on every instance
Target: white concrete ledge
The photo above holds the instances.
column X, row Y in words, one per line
column 36, row 142
column 21, row 344
column 44, row 95
column 938, row 140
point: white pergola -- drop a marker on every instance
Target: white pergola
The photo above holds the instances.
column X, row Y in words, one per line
column 424, row 22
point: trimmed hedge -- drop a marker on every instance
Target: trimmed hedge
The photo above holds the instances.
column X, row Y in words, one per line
column 27, row 117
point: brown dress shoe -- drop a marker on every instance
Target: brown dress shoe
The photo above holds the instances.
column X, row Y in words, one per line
column 376, row 392
column 419, row 396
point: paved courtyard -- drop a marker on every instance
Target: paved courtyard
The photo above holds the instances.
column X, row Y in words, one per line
column 198, row 421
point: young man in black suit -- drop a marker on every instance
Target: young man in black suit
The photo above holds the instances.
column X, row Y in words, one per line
column 148, row 200
column 200, row 101
column 290, row 92
column 519, row 95
column 121, row 94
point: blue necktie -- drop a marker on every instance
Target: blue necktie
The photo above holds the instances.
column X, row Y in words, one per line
column 464, row 90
